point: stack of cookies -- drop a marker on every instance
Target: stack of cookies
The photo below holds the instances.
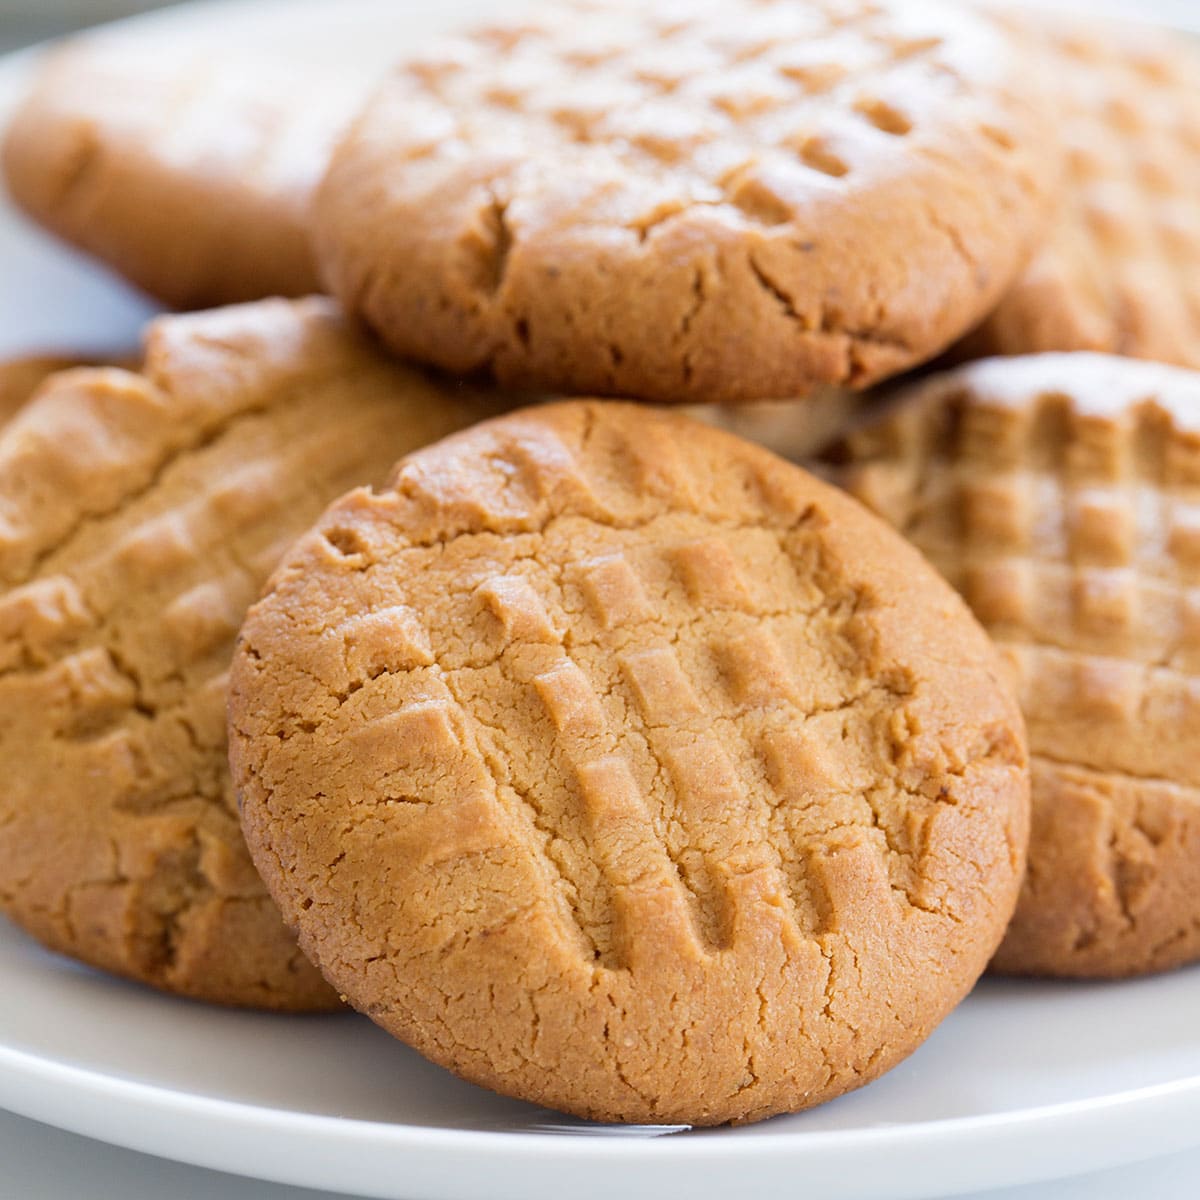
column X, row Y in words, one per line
column 598, row 752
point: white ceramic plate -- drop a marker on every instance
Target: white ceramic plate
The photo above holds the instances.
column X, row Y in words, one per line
column 1024, row 1082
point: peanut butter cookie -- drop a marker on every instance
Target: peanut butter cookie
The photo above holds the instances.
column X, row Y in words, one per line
column 140, row 514
column 21, row 377
column 717, row 200
column 188, row 173
column 1061, row 495
column 618, row 765
column 1120, row 271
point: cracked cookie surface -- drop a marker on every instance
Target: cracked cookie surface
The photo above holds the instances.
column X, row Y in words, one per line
column 618, row 765
column 140, row 514
column 703, row 201
column 1120, row 270
column 1061, row 495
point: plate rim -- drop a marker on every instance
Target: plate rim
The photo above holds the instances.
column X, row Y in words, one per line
column 107, row 1107
column 35, row 1066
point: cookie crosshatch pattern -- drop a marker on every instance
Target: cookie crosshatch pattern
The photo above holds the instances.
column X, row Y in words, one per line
column 697, row 201
column 1061, row 495
column 141, row 514
column 1120, row 270
column 659, row 811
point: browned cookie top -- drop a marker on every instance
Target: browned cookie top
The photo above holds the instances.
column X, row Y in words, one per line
column 618, row 765
column 723, row 199
column 1060, row 494
column 1120, row 271
column 140, row 515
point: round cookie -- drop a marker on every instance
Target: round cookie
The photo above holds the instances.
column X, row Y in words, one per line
column 188, row 171
column 618, row 765
column 1061, row 495
column 1120, row 270
column 140, row 515
column 718, row 200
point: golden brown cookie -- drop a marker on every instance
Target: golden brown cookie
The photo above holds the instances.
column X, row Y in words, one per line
column 21, row 377
column 1061, row 495
column 1120, row 271
column 616, row 764
column 140, row 515
column 190, row 173
column 719, row 200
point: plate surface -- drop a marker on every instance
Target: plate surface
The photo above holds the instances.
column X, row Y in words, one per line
column 1025, row 1081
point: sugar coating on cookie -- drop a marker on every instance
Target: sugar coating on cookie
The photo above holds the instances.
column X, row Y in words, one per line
column 1061, row 495
column 1120, row 270
column 710, row 200
column 188, row 171
column 618, row 765
column 140, row 515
